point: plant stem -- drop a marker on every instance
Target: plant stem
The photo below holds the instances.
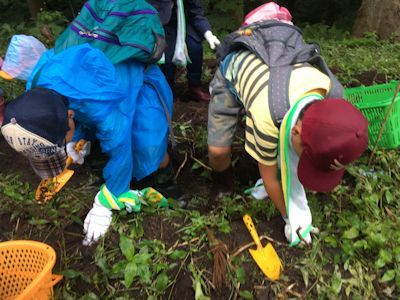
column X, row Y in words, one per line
column 262, row 237
column 200, row 163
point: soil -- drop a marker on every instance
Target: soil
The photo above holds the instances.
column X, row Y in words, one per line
column 157, row 227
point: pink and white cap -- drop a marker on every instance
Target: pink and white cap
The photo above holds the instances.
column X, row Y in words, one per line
column 268, row 11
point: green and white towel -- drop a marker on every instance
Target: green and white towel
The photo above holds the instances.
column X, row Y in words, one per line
column 258, row 191
column 181, row 56
column 297, row 209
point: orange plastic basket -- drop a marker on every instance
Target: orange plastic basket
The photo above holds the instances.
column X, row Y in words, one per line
column 26, row 270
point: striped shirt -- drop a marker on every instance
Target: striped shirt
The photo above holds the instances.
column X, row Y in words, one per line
column 249, row 76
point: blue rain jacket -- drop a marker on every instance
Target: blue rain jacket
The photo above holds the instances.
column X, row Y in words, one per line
column 120, row 105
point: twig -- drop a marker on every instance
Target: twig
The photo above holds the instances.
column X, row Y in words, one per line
column 30, row 231
column 48, row 234
column 236, row 291
column 17, row 226
column 230, row 264
column 135, row 288
column 293, row 293
column 208, row 280
column 290, row 286
column 74, row 234
column 311, row 287
column 383, row 124
column 262, row 237
column 181, row 117
column 289, row 290
column 200, row 163
column 181, row 166
column 268, row 238
column 176, row 276
column 243, row 248
column 232, row 292
column 389, row 212
column 301, row 238
column 186, row 243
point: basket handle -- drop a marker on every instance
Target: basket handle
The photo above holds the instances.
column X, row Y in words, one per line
column 54, row 280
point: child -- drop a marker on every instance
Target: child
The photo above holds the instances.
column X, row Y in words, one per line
column 317, row 136
column 78, row 93
column 100, row 82
column 196, row 30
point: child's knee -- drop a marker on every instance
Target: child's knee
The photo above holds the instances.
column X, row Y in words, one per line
column 219, row 153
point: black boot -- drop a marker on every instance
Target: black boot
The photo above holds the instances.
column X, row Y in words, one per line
column 196, row 93
column 166, row 184
column 223, row 185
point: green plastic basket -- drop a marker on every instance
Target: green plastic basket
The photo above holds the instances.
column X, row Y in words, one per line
column 374, row 101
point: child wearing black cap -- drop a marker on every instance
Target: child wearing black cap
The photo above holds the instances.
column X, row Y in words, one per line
column 99, row 81
column 78, row 93
column 36, row 125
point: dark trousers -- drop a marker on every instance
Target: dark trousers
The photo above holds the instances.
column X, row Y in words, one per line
column 194, row 69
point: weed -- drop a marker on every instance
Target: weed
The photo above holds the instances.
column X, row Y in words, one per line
column 357, row 254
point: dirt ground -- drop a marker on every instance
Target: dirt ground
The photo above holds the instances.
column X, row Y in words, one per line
column 157, row 227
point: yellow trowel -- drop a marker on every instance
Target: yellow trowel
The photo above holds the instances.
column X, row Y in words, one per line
column 48, row 188
column 265, row 257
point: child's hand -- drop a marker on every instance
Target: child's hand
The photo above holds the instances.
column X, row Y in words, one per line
column 78, row 156
column 212, row 39
column 96, row 222
column 131, row 199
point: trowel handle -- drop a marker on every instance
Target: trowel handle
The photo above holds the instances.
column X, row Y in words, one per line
column 252, row 229
column 68, row 162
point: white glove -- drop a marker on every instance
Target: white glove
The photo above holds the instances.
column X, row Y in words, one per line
column 307, row 239
column 259, row 191
column 211, row 39
column 96, row 222
column 78, row 157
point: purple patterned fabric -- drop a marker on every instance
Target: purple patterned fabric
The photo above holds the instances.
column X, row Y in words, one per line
column 118, row 14
column 96, row 36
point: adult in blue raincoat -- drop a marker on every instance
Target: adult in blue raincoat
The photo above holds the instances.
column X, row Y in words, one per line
column 78, row 93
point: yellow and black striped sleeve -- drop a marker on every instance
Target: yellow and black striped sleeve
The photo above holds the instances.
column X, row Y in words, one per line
column 250, row 78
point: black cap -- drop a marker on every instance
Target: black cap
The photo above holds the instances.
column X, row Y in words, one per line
column 41, row 112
